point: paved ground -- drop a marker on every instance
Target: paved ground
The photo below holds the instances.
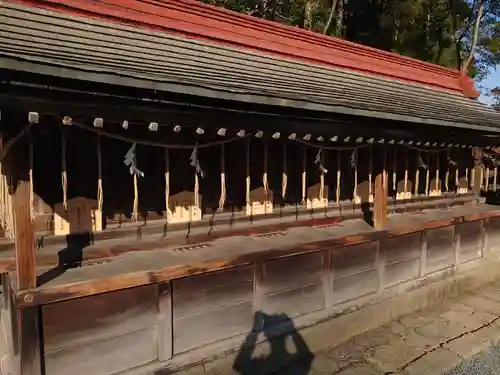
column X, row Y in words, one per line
column 484, row 363
column 435, row 341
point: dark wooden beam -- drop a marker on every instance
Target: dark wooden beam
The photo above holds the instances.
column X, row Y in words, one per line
column 380, row 204
column 116, row 103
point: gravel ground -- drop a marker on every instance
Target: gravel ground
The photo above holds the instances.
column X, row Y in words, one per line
column 484, row 363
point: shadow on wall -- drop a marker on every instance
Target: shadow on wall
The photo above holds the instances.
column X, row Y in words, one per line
column 288, row 353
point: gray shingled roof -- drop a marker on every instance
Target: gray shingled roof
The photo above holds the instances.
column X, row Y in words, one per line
column 47, row 42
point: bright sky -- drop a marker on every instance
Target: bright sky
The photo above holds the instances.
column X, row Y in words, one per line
column 493, row 80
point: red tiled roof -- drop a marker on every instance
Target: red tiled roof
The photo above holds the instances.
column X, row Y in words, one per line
column 191, row 18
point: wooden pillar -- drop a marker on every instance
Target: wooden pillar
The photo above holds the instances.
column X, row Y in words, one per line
column 478, row 171
column 24, row 232
column 28, row 319
column 380, row 202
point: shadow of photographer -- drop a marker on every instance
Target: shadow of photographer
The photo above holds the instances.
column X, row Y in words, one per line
column 288, row 353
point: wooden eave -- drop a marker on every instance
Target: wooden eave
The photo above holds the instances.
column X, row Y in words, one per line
column 88, row 49
column 194, row 19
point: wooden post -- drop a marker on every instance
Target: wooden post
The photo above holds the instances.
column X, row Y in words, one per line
column 380, row 202
column 28, row 319
column 24, row 231
column 29, row 341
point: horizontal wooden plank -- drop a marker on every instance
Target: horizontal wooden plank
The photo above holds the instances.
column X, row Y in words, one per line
column 104, row 247
column 77, row 321
column 105, row 357
column 493, row 235
column 197, row 294
column 401, row 271
column 211, row 326
column 352, row 286
column 58, row 292
column 292, row 272
column 440, row 249
column 295, row 302
column 470, row 240
column 401, row 248
column 353, row 259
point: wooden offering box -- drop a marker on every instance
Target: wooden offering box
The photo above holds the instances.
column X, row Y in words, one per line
column 182, row 207
column 402, row 192
column 314, row 200
column 260, row 202
column 435, row 188
column 81, row 216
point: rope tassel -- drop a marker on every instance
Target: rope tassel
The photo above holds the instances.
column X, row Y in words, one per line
column 427, row 175
column 338, row 176
column 100, row 194
column 304, row 176
column 394, row 177
column 437, row 172
column 354, row 165
column 32, row 186
column 370, row 174
column 284, row 180
column 167, row 184
column 64, row 175
column 222, row 199
column 247, row 179
column 265, row 182
column 406, row 173
column 131, row 162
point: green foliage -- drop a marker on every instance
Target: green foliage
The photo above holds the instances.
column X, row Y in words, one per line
column 439, row 31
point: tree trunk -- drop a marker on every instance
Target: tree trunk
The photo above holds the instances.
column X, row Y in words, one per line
column 340, row 18
column 475, row 37
column 308, row 14
column 330, row 17
column 270, row 9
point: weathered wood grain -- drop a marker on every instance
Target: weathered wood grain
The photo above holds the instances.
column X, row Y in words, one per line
column 439, row 249
column 28, row 330
column 292, row 286
column 165, row 322
column 402, row 258
column 349, row 287
column 380, row 204
column 197, row 294
column 493, row 235
column 211, row 307
column 470, row 239
column 78, row 321
column 105, row 356
column 295, row 302
column 354, row 271
column 353, row 259
column 9, row 321
column 289, row 273
column 24, row 237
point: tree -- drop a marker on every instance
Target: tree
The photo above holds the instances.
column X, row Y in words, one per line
column 477, row 34
column 495, row 94
column 462, row 34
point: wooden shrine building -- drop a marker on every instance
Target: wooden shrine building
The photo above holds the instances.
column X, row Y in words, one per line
column 169, row 169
